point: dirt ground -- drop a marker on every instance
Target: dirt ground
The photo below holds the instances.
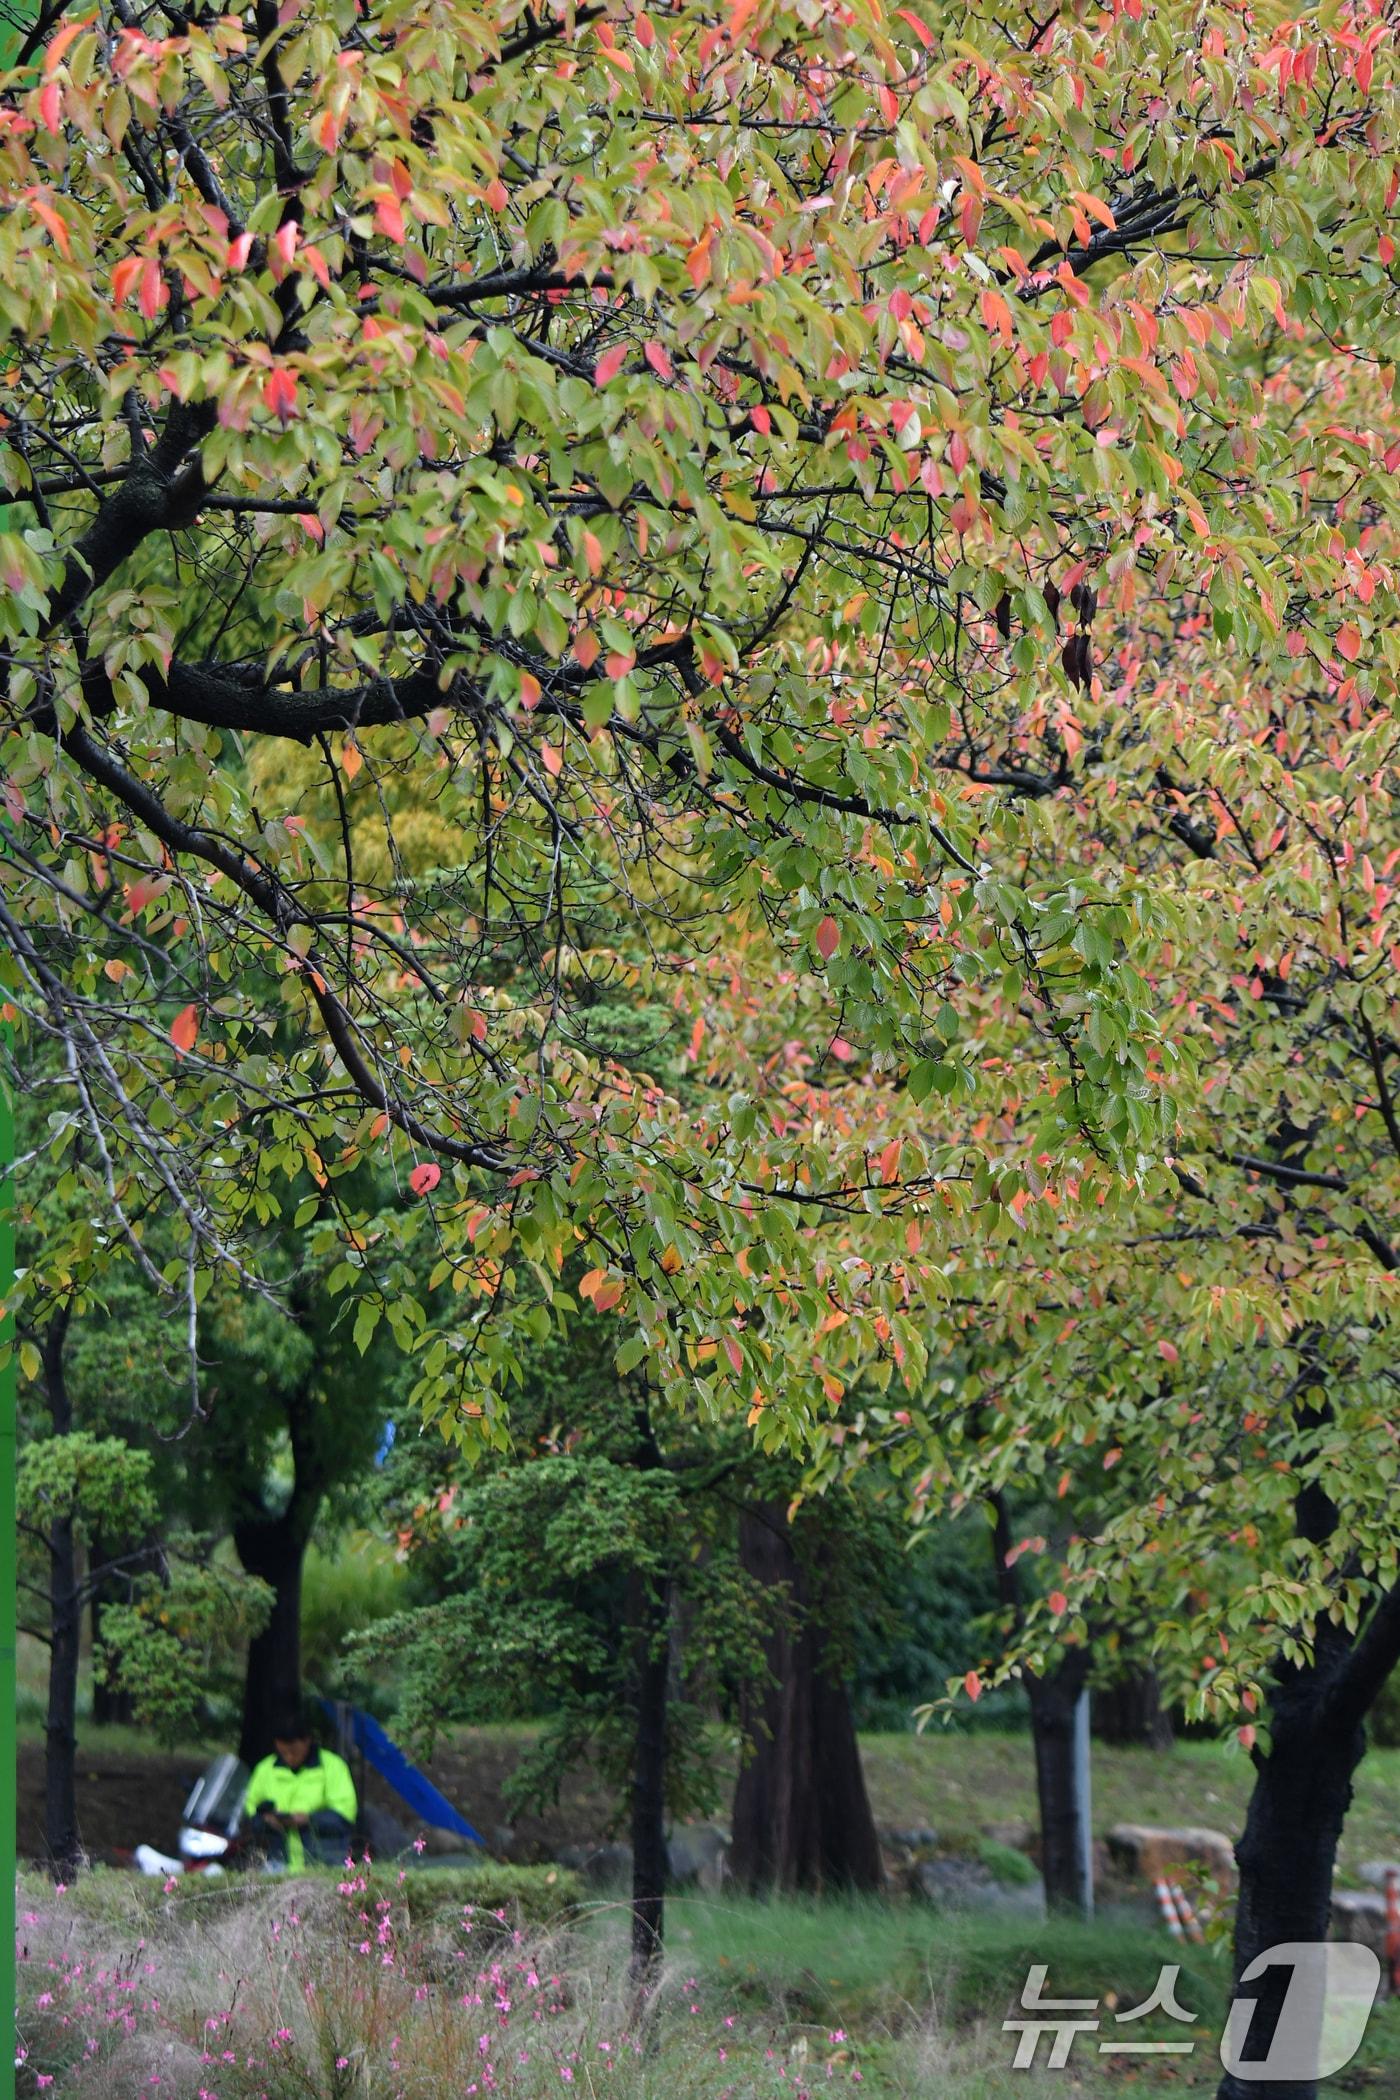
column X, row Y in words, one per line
column 126, row 1798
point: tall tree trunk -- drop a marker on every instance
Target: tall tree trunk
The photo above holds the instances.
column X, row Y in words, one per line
column 110, row 1704
column 653, row 1671
column 1302, row 1790
column 1129, row 1710
column 1063, row 1838
column 273, row 1548
column 1053, row 1699
column 802, row 1817
column 65, row 1626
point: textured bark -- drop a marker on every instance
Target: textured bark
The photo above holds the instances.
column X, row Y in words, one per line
column 275, row 1549
column 65, row 1625
column 1302, row 1791
column 1130, row 1711
column 1053, row 1700
column 651, row 1616
column 801, row 1817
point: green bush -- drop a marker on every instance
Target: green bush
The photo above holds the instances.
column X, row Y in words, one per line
column 1012, row 1868
column 531, row 1897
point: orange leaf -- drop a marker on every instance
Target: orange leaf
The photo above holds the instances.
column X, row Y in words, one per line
column 388, row 217
column 530, row 691
column 351, row 757
column 184, row 1029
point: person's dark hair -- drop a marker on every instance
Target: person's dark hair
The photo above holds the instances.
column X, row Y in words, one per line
column 293, row 1725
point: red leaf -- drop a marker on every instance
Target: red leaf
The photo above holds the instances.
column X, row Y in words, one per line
column 1111, row 1458
column 280, row 393
column 972, row 1685
column 1059, row 1603
column 1246, row 1736
column 610, row 364
column 889, row 1161
column 658, row 360
column 124, row 277
column 388, row 217
column 1349, row 642
column 529, row 691
column 154, row 291
column 425, row 1178
column 734, row 1352
column 1170, row 1351
column 828, row 938
column 184, row 1029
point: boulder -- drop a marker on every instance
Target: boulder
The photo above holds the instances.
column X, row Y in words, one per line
column 697, row 1856
column 1143, row 1850
column 920, row 1839
column 1375, row 1871
column 602, row 1866
column 1359, row 1914
column 1020, row 1835
column 967, row 1885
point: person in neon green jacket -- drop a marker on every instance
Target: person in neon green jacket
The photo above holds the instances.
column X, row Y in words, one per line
column 301, row 1799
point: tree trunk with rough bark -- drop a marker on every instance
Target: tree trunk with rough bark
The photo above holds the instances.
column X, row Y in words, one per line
column 1302, row 1791
column 1063, row 1839
column 61, row 1837
column 1129, row 1710
column 802, row 1817
column 652, row 1618
column 273, row 1548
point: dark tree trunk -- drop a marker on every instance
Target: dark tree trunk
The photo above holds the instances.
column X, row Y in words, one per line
column 65, row 1626
column 275, row 1549
column 1130, row 1711
column 801, row 1817
column 1053, row 1699
column 652, row 1616
column 1302, row 1790
column 1063, row 1838
column 110, row 1704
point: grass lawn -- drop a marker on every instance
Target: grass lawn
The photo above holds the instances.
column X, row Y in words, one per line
column 959, row 1784
column 314, row 1994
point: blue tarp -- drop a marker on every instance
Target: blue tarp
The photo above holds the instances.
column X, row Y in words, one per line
column 408, row 1782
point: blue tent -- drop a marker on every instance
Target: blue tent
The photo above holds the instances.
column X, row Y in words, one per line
column 411, row 1785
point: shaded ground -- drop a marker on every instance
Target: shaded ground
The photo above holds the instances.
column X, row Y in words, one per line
column 960, row 1785
column 129, row 1795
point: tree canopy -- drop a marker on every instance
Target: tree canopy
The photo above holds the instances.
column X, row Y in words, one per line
column 681, row 478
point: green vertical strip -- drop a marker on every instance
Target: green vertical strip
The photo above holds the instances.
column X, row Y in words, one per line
column 9, row 1749
column 15, row 17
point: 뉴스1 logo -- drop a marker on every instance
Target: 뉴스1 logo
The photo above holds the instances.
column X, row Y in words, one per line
column 1318, row 2030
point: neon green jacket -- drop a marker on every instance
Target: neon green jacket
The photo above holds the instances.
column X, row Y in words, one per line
column 322, row 1782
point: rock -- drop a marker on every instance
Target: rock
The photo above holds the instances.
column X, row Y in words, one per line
column 444, row 1844
column 1149, row 1852
column 602, row 1866
column 385, row 1836
column 697, row 1854
column 967, row 1885
column 1359, row 1914
column 1375, row 1871
column 1020, row 1835
column 502, row 1841
column 918, row 1840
